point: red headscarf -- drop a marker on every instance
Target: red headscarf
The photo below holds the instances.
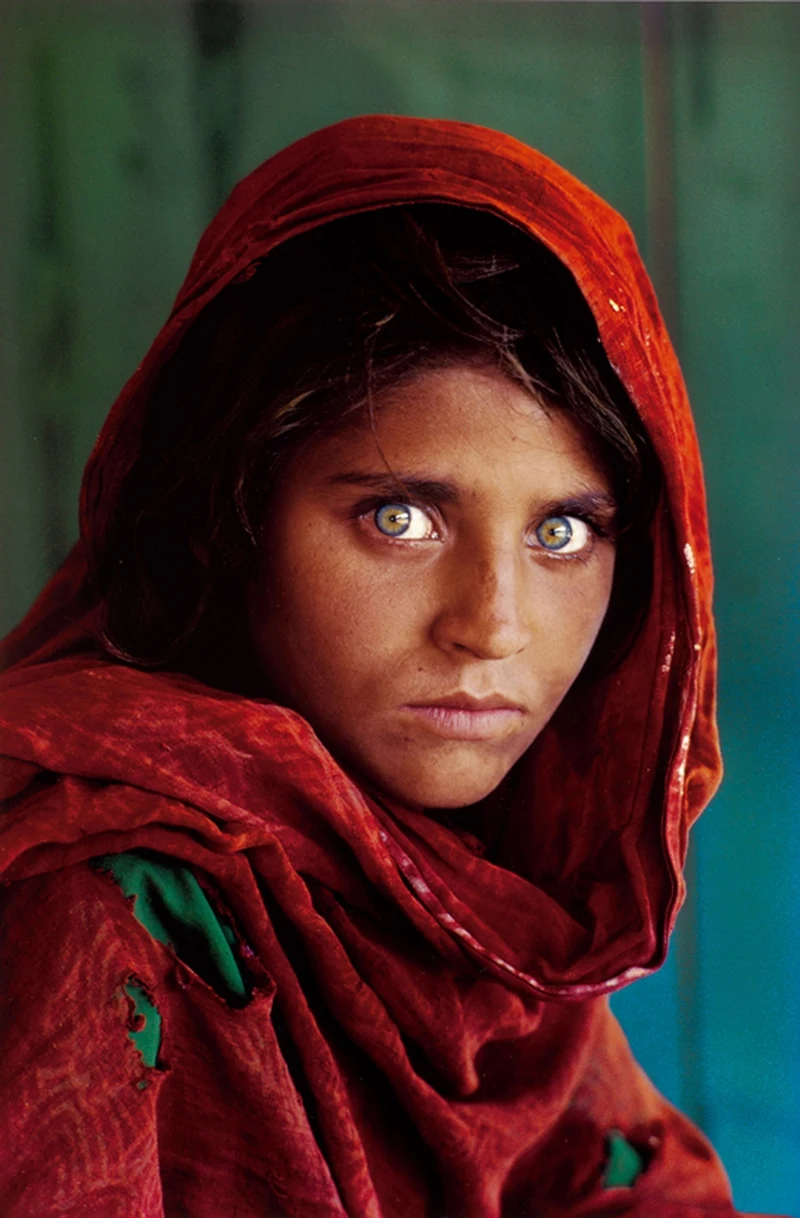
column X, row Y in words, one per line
column 431, row 1034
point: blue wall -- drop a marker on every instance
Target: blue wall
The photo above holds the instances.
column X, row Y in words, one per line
column 123, row 127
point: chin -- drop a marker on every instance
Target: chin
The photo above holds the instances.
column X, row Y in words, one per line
column 433, row 790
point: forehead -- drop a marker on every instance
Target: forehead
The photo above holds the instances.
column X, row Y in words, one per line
column 471, row 424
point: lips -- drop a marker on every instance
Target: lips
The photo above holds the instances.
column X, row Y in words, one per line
column 471, row 702
column 463, row 716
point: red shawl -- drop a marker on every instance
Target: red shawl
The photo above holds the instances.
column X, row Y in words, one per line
column 430, row 1032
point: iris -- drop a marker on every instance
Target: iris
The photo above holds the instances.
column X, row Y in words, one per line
column 555, row 532
column 393, row 519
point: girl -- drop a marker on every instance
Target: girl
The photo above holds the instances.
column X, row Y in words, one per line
column 352, row 753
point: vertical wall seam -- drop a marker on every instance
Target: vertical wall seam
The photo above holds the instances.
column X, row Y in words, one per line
column 662, row 263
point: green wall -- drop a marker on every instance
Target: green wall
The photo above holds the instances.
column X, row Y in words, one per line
column 124, row 125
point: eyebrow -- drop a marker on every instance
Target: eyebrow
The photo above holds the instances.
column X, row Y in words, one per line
column 431, row 490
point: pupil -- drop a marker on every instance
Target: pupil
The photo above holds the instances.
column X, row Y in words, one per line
column 393, row 519
column 555, row 533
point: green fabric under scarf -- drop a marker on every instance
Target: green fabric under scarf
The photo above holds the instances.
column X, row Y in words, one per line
column 624, row 1165
column 171, row 905
column 146, row 1037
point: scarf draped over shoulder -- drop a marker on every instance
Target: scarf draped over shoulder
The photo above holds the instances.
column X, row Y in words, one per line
column 422, row 1029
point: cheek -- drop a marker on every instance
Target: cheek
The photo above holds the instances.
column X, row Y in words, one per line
column 572, row 616
column 322, row 624
column 588, row 609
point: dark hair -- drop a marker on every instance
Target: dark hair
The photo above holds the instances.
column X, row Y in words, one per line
column 309, row 339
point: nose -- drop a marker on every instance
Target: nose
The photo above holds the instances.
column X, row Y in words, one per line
column 485, row 607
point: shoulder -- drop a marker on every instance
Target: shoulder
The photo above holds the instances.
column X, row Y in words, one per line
column 70, row 922
column 77, row 971
column 69, row 947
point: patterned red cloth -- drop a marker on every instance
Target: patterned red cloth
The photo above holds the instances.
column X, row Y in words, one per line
column 429, row 1034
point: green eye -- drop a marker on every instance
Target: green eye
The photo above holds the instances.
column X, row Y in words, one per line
column 405, row 521
column 564, row 535
column 555, row 533
column 393, row 519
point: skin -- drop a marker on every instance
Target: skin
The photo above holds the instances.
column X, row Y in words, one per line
column 363, row 634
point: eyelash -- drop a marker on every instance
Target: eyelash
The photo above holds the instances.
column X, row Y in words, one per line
column 366, row 509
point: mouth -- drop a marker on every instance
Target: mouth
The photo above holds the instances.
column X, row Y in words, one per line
column 465, row 717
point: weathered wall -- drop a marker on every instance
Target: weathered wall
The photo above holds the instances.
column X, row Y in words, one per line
column 123, row 127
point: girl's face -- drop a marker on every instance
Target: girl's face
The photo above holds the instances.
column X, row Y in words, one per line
column 429, row 589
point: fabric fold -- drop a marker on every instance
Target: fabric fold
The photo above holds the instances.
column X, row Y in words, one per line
column 434, row 1037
